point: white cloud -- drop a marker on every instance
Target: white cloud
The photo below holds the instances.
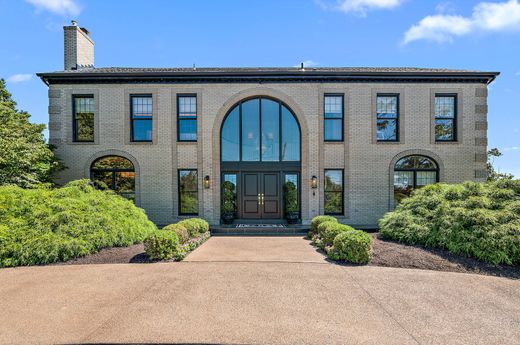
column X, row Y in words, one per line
column 486, row 17
column 61, row 7
column 512, row 148
column 19, row 78
column 361, row 7
column 308, row 63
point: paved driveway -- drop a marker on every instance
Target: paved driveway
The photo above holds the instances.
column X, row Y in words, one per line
column 272, row 297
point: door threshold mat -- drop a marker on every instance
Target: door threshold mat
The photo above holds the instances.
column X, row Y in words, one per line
column 260, row 226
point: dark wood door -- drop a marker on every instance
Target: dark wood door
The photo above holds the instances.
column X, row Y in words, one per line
column 261, row 195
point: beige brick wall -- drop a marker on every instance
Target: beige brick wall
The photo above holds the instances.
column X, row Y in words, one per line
column 367, row 164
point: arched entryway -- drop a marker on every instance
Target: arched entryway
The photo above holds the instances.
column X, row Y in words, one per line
column 260, row 158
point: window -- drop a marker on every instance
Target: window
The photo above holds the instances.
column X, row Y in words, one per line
column 83, row 118
column 387, row 117
column 141, row 110
column 188, row 192
column 229, row 192
column 290, row 189
column 445, row 118
column 115, row 173
column 333, row 191
column 413, row 172
column 187, row 118
column 333, row 118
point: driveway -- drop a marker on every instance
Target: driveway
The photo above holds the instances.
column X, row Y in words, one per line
column 276, row 294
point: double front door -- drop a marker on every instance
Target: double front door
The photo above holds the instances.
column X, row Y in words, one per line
column 261, row 195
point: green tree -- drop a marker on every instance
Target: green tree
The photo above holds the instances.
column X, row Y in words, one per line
column 26, row 159
column 493, row 174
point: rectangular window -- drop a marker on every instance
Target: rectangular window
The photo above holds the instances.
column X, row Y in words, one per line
column 188, row 192
column 445, row 118
column 187, row 118
column 333, row 117
column 387, row 117
column 83, row 118
column 333, row 191
column 141, row 109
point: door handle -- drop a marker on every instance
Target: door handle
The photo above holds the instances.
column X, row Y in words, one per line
column 262, row 198
column 259, row 199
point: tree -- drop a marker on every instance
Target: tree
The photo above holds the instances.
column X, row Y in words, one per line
column 26, row 159
column 493, row 174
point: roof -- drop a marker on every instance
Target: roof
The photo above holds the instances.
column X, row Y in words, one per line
column 252, row 74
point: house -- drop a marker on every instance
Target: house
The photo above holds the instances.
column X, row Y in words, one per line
column 352, row 142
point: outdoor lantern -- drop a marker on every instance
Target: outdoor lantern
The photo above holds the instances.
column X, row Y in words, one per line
column 314, row 182
column 206, row 181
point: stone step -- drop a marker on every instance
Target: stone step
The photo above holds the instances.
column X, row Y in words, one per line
column 260, row 230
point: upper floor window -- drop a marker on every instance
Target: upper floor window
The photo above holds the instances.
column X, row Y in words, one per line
column 333, row 118
column 387, row 117
column 187, row 118
column 83, row 118
column 334, row 191
column 141, row 108
column 445, row 118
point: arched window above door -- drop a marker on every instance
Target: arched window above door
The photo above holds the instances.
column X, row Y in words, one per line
column 412, row 172
column 116, row 173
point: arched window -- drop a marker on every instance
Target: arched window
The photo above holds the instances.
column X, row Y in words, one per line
column 260, row 129
column 413, row 172
column 116, row 173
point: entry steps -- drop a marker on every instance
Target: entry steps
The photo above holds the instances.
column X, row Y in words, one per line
column 241, row 229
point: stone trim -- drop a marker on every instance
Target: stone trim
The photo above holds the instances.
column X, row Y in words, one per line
column 460, row 115
column 481, row 125
column 54, row 93
column 127, row 116
column 481, row 173
column 480, row 157
column 402, row 114
column 481, row 92
column 481, row 109
column 481, row 142
column 69, row 116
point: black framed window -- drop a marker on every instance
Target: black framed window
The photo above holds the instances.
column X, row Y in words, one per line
column 115, row 173
column 141, row 109
column 333, row 117
column 445, row 117
column 229, row 192
column 83, row 118
column 334, row 191
column 291, row 192
column 188, row 192
column 412, row 172
column 387, row 113
column 186, row 118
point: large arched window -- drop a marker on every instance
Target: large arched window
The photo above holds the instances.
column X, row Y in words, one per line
column 116, row 173
column 260, row 129
column 413, row 172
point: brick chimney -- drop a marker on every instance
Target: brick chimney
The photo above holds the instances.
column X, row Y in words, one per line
column 79, row 47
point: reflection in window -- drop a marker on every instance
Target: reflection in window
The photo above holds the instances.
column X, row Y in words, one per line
column 142, row 114
column 230, row 137
column 251, row 130
column 83, row 120
column 445, row 118
column 187, row 118
column 188, row 192
column 387, row 118
column 292, row 203
column 333, row 191
column 290, row 137
column 270, row 131
column 333, row 122
column 115, row 173
column 229, row 193
column 413, row 172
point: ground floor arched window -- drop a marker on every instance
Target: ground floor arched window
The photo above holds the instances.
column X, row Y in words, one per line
column 412, row 172
column 116, row 173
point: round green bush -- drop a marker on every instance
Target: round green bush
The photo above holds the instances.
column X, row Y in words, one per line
column 161, row 245
column 353, row 246
column 180, row 230
column 316, row 221
column 195, row 226
column 327, row 231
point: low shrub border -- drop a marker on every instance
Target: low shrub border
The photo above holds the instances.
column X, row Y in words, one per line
column 316, row 221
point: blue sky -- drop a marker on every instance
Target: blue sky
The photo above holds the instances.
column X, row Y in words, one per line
column 482, row 35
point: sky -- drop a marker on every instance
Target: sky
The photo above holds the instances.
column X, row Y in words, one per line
column 466, row 34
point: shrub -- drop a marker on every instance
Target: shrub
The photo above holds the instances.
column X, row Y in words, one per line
column 180, row 230
column 327, row 231
column 195, row 226
column 161, row 245
column 353, row 246
column 481, row 220
column 43, row 225
column 316, row 221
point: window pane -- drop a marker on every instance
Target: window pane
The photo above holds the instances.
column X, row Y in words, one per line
column 333, row 203
column 333, row 180
column 426, row 177
column 84, row 118
column 188, row 187
column 386, row 129
column 142, row 106
column 189, row 203
column 231, row 137
column 290, row 137
column 445, row 106
column 386, row 107
column 106, row 174
column 415, row 162
column 187, row 114
column 188, row 129
column 102, row 179
column 270, row 130
column 403, row 185
column 333, row 107
column 112, row 162
column 125, row 184
column 142, row 130
column 333, row 129
column 444, row 129
column 229, row 191
column 291, row 191
column 251, row 130
column 187, row 106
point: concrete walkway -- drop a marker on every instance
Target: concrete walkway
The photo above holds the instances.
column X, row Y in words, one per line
column 282, row 299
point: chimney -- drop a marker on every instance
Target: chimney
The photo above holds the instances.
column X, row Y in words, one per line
column 79, row 47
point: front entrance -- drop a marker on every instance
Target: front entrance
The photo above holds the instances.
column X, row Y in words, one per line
column 261, row 195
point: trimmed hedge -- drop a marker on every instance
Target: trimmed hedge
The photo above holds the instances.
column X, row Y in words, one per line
column 40, row 226
column 195, row 226
column 180, row 230
column 327, row 231
column 353, row 246
column 316, row 221
column 481, row 220
column 161, row 245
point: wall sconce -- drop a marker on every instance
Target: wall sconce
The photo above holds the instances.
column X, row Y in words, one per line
column 206, row 181
column 314, row 182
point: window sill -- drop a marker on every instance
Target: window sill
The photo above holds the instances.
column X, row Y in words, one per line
column 453, row 142
column 389, row 142
column 83, row 143
column 192, row 142
column 140, row 143
column 337, row 142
